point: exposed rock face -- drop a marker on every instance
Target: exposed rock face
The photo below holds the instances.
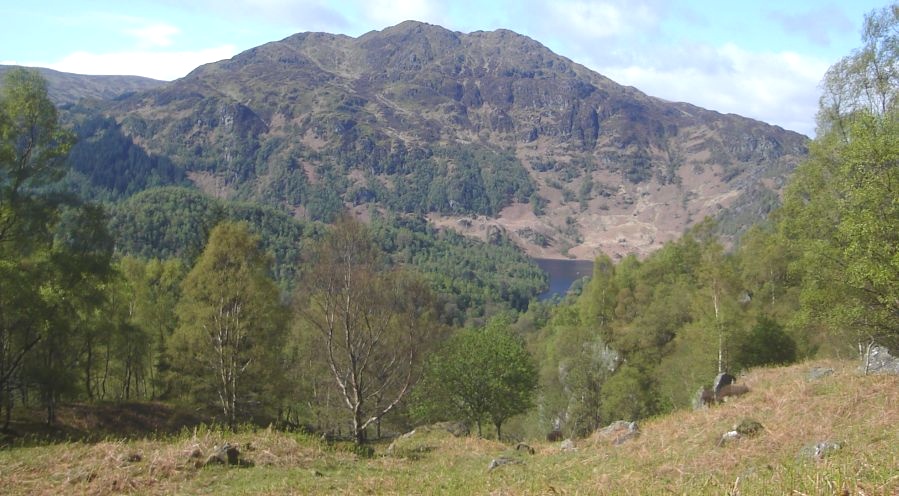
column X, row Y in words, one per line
column 879, row 361
column 427, row 120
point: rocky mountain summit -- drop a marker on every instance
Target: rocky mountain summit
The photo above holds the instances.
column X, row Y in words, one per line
column 488, row 133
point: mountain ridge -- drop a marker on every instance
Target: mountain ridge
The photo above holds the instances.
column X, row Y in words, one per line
column 486, row 132
column 69, row 88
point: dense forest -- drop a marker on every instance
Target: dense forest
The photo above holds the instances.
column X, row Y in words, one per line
column 118, row 282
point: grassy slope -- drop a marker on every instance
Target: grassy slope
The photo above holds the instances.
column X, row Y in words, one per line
column 675, row 454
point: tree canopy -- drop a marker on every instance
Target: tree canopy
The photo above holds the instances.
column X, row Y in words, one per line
column 231, row 322
column 479, row 375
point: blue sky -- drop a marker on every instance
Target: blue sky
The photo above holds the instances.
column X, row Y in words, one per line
column 762, row 59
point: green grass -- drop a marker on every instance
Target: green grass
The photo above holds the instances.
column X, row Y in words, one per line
column 675, row 454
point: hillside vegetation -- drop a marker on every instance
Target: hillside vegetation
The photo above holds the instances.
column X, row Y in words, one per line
column 419, row 119
column 674, row 454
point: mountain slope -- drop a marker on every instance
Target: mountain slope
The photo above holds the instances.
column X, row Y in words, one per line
column 64, row 87
column 676, row 453
column 483, row 132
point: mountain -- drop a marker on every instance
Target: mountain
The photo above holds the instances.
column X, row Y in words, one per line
column 66, row 88
column 489, row 133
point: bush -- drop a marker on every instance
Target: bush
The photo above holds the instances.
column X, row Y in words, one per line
column 766, row 344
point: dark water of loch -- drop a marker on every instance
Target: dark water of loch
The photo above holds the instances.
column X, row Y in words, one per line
column 562, row 273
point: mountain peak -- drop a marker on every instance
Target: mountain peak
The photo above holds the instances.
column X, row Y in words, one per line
column 482, row 131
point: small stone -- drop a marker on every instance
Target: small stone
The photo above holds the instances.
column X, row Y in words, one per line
column 567, row 445
column 819, row 451
column 728, row 436
column 227, row 454
column 818, row 373
column 499, row 462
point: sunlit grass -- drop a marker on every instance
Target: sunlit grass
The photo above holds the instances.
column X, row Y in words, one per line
column 675, row 454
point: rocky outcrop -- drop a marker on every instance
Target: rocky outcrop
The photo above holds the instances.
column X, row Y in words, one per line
column 878, row 360
column 618, row 432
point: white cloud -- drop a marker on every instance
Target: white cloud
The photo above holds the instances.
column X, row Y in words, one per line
column 383, row 13
column 154, row 35
column 778, row 88
column 299, row 15
column 595, row 20
column 158, row 65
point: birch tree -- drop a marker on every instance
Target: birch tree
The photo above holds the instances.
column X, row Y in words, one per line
column 373, row 323
column 231, row 321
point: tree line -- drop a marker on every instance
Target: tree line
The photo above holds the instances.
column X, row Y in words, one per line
column 208, row 322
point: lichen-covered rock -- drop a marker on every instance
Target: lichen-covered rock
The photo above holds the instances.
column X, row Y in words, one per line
column 818, row 373
column 227, row 454
column 879, row 361
column 618, row 432
column 820, row 450
column 500, row 461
